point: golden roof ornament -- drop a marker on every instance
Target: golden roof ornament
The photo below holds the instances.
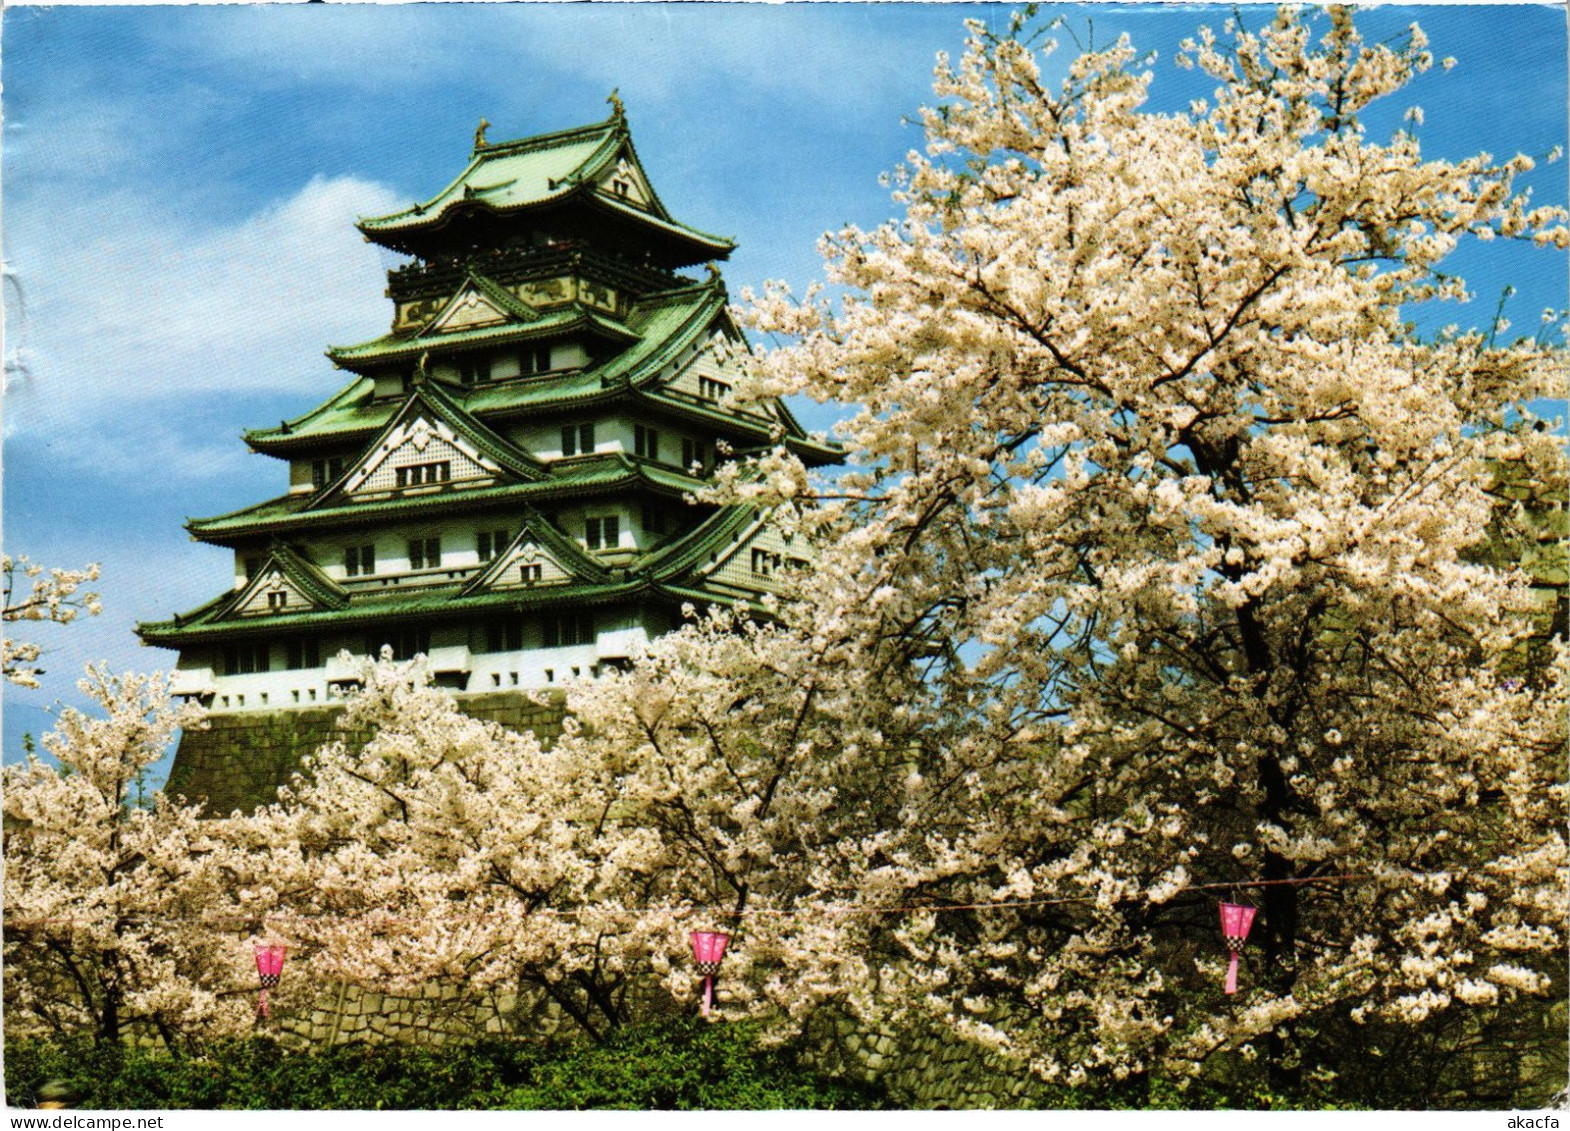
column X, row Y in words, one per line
column 617, row 109
column 479, row 133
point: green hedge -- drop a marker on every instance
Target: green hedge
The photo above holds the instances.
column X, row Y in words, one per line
column 680, row 1064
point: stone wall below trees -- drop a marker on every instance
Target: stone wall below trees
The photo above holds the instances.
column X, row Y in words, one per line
column 919, row 1069
column 241, row 759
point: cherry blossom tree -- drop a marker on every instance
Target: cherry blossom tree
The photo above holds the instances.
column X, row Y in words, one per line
column 1181, row 515
column 118, row 919
column 692, row 792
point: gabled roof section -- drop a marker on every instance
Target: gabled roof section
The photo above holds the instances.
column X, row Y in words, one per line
column 479, row 302
column 692, row 550
column 660, row 326
column 431, row 415
column 531, row 172
column 538, row 532
column 347, row 413
column 286, row 572
column 590, row 476
column 573, row 317
column 442, row 603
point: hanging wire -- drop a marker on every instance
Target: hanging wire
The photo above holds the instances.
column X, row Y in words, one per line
column 682, row 911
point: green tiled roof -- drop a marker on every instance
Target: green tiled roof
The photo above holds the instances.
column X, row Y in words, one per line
column 502, row 451
column 574, row 317
column 691, row 550
column 813, row 451
column 568, row 554
column 661, row 573
column 591, row 475
column 513, row 176
column 447, row 601
column 306, row 577
column 428, row 398
column 665, row 323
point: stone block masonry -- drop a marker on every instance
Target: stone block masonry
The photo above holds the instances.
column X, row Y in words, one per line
column 241, row 759
column 239, row 762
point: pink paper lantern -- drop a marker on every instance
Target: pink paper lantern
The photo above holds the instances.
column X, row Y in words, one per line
column 708, row 948
column 269, row 967
column 1236, row 919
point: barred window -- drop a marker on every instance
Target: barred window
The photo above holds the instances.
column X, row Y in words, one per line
column 245, row 659
column 505, row 635
column 359, row 561
column 417, row 474
column 534, row 360
column 566, row 629
column 491, row 543
column 474, row 368
column 302, row 652
column 602, row 533
column 326, row 471
column 576, row 439
column 425, row 553
column 405, row 643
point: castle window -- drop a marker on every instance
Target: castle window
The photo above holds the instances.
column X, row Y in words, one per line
column 692, row 453
column 405, row 643
column 253, row 566
column 653, row 519
column 576, row 438
column 474, row 368
column 620, row 187
column 326, row 471
column 416, row 474
column 245, row 659
column 302, row 652
column 491, row 543
column 534, row 359
column 646, row 441
column 566, row 629
column 278, row 600
column 764, row 562
column 425, row 553
column 602, row 533
column 359, row 561
column 711, row 389
column 529, row 574
column 504, row 635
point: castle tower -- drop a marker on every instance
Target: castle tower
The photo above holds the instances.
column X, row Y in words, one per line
column 503, row 484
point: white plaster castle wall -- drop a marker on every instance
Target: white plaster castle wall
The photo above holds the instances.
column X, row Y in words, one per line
column 572, row 518
column 619, row 634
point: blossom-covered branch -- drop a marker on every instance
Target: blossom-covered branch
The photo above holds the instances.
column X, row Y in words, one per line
column 32, row 593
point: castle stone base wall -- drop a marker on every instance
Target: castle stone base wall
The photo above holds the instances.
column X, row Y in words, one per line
column 241, row 759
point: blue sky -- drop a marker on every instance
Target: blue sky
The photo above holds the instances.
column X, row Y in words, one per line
column 181, row 184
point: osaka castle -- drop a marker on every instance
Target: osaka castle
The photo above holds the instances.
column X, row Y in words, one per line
column 504, row 483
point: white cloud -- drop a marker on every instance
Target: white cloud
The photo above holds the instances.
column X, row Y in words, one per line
column 656, row 53
column 129, row 304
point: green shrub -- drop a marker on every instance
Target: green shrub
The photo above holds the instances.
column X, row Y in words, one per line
column 681, row 1064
